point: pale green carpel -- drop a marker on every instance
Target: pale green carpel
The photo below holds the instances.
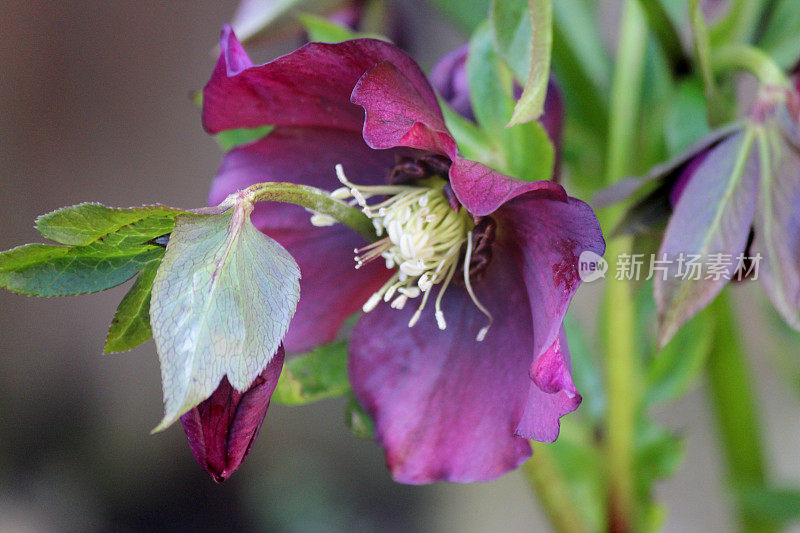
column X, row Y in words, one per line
column 221, row 304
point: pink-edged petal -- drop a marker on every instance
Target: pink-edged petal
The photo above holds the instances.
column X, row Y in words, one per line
column 330, row 287
column 222, row 429
column 547, row 236
column 551, row 395
column 482, row 190
column 400, row 113
column 309, row 87
column 445, row 405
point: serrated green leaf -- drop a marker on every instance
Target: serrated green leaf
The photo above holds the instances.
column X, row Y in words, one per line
column 45, row 270
column 319, row 374
column 221, row 304
column 130, row 326
column 360, row 423
column 82, row 224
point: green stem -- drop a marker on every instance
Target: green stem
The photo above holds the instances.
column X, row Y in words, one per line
column 751, row 59
column 667, row 35
column 552, row 489
column 314, row 199
column 734, row 407
column 618, row 322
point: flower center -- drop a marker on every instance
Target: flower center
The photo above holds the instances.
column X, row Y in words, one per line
column 424, row 240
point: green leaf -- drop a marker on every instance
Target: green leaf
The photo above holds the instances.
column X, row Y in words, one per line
column 130, row 326
column 678, row 366
column 778, row 506
column 108, row 246
column 230, row 139
column 359, row 422
column 686, row 121
column 314, row 376
column 45, row 270
column 221, row 304
column 509, row 23
column 322, row 30
column 781, row 38
column 83, row 224
column 522, row 151
column 473, row 142
column 466, row 14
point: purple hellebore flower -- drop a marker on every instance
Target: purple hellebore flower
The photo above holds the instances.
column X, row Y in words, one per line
column 449, row 78
column 222, row 429
column 446, row 406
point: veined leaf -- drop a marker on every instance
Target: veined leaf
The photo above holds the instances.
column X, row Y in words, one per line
column 130, row 326
column 45, row 270
column 777, row 225
column 319, row 374
column 221, row 304
column 83, row 224
column 712, row 218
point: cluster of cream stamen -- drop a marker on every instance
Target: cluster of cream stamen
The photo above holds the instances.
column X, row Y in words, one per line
column 424, row 239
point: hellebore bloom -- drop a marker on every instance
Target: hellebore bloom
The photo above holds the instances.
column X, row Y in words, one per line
column 449, row 78
column 733, row 201
column 500, row 252
column 222, row 429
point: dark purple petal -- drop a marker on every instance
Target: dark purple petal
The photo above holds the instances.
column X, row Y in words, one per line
column 552, row 394
column 713, row 216
column 449, row 78
column 309, row 87
column 330, row 287
column 446, row 406
column 777, row 234
column 547, row 236
column 683, row 178
column 222, row 429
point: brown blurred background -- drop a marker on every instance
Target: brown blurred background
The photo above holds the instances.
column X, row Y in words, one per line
column 94, row 105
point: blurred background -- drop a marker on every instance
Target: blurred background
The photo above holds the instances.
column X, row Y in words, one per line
column 95, row 105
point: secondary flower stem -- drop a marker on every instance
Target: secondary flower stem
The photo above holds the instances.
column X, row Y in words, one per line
column 547, row 480
column 618, row 322
column 316, row 200
column 734, row 407
column 751, row 59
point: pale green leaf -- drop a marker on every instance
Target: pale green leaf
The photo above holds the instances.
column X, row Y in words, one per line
column 466, row 14
column 221, row 304
column 531, row 104
column 130, row 326
column 781, row 37
column 230, row 139
column 319, row 374
column 322, row 30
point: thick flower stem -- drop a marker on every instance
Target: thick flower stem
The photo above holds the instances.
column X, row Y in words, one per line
column 552, row 490
column 314, row 199
column 734, row 407
column 751, row 59
column 618, row 323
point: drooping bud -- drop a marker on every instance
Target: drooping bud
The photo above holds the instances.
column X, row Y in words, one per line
column 222, row 429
